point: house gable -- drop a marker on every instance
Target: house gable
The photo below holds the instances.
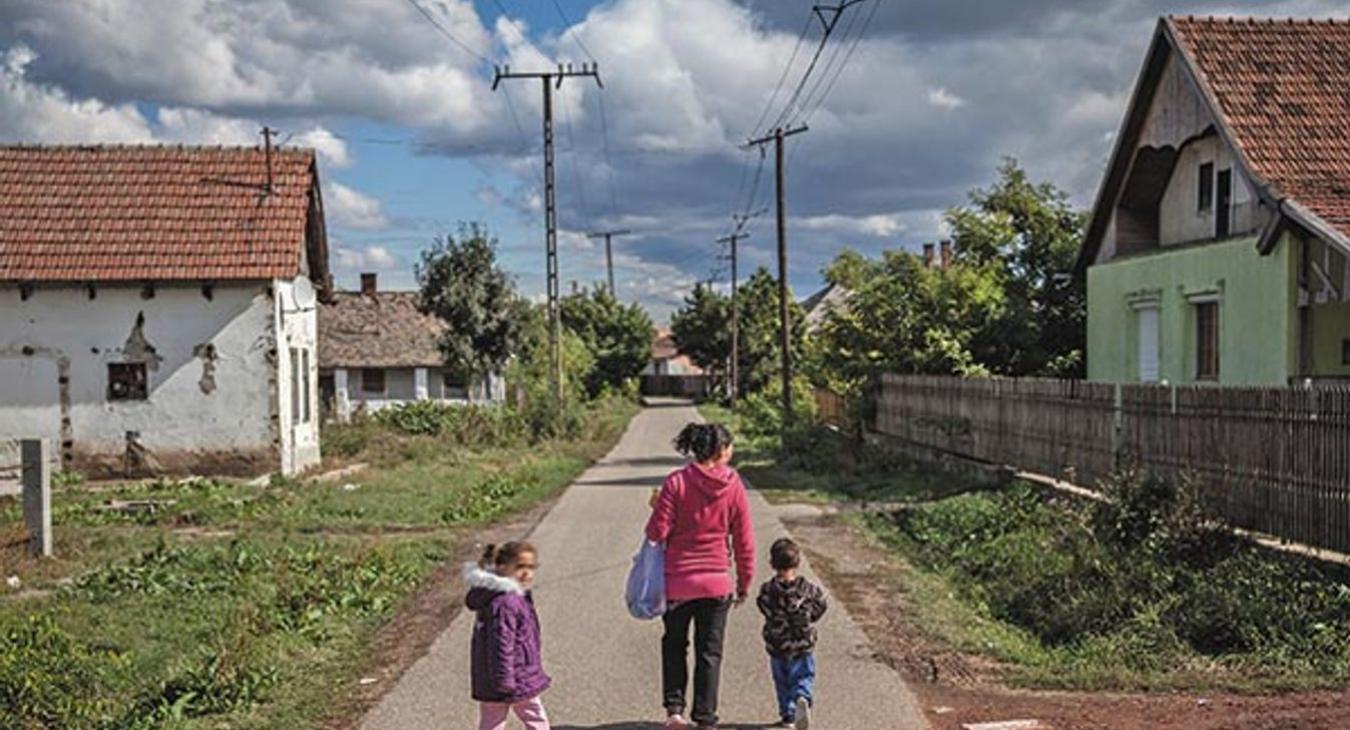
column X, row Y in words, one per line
column 1265, row 100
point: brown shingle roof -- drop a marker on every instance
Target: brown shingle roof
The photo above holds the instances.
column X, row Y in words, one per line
column 108, row 213
column 384, row 330
column 1283, row 90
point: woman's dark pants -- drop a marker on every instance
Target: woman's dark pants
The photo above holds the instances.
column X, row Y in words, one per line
column 709, row 616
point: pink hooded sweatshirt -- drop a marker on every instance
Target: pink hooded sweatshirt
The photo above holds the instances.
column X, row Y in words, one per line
column 696, row 511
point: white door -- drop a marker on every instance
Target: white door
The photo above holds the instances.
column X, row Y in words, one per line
column 1148, row 344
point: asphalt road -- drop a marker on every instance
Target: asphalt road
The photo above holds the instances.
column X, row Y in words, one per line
column 606, row 665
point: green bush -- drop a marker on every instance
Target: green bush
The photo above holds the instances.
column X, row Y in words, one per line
column 48, row 678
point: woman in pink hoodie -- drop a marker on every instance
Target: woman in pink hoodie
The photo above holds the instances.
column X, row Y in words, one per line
column 703, row 516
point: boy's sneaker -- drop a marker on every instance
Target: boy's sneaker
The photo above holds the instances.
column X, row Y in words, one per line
column 803, row 716
column 786, row 724
column 675, row 722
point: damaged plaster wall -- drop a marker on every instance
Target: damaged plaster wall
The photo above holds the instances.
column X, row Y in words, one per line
column 206, row 369
column 297, row 412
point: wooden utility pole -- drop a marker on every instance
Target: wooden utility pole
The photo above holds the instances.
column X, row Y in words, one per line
column 551, row 79
column 734, row 370
column 785, row 333
column 609, row 254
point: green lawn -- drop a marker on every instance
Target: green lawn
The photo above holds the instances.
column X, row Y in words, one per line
column 235, row 606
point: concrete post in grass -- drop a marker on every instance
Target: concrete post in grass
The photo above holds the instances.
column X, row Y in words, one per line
column 37, row 494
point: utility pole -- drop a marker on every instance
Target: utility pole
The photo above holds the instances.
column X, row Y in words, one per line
column 609, row 254
column 785, row 333
column 551, row 80
column 734, row 239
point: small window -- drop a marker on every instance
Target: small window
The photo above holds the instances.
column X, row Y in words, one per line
column 1345, row 352
column 1223, row 206
column 1206, row 193
column 1207, row 341
column 126, row 381
column 454, row 387
column 372, row 381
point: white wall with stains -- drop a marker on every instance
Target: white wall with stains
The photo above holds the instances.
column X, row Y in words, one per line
column 297, row 374
column 214, row 400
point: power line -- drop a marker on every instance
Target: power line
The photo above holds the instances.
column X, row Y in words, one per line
column 465, row 46
column 857, row 40
column 801, row 38
column 828, row 25
column 567, row 24
column 609, row 164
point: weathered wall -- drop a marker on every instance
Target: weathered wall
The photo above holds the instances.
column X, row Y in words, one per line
column 207, row 365
column 1257, row 321
column 297, row 400
column 1181, row 220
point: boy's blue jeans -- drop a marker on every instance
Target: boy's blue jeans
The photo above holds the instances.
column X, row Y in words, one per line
column 793, row 678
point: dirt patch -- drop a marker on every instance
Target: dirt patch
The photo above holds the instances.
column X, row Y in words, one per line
column 423, row 617
column 956, row 688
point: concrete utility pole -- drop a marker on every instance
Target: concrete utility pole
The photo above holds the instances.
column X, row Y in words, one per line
column 551, row 79
column 734, row 370
column 785, row 333
column 609, row 254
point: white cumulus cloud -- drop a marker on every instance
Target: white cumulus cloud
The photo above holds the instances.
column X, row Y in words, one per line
column 353, row 209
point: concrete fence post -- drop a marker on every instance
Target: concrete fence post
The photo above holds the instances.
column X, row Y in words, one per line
column 37, row 494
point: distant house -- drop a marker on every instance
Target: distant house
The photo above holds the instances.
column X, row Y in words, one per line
column 378, row 348
column 819, row 305
column 1217, row 249
column 667, row 359
column 159, row 306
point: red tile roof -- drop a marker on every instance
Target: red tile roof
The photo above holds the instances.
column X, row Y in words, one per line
column 1283, row 90
column 110, row 213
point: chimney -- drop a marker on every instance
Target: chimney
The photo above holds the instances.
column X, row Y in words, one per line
column 946, row 254
column 928, row 255
column 368, row 284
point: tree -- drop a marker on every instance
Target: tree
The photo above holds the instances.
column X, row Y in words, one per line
column 618, row 335
column 1030, row 234
column 906, row 318
column 462, row 284
column 702, row 329
column 850, row 270
column 530, row 369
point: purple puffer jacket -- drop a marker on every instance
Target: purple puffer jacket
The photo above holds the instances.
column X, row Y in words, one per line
column 506, row 664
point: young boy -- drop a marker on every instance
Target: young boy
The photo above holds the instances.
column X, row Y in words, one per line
column 791, row 606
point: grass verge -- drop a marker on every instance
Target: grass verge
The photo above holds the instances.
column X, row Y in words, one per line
column 1142, row 593
column 215, row 604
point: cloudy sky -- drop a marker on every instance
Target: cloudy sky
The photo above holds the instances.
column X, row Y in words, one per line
column 912, row 103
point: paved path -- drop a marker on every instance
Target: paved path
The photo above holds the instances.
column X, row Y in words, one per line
column 606, row 665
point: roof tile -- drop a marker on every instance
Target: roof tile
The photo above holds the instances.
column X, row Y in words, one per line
column 119, row 212
column 1283, row 88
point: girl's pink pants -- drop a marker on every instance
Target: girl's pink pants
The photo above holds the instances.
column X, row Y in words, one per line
column 493, row 715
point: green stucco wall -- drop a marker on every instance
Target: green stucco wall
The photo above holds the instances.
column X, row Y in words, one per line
column 1257, row 320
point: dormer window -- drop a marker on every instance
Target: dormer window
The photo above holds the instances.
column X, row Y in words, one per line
column 1206, row 192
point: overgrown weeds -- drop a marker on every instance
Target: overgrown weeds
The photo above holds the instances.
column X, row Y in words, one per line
column 144, row 624
column 1141, row 590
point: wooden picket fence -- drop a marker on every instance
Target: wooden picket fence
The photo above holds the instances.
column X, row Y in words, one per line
column 1273, row 460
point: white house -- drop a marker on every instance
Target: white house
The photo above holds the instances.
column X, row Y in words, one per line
column 378, row 348
column 157, row 306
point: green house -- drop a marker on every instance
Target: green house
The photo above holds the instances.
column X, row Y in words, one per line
column 1218, row 246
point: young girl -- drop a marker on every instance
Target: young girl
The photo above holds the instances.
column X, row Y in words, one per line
column 508, row 675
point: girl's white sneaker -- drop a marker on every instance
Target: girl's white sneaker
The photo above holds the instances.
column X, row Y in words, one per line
column 803, row 718
column 675, row 722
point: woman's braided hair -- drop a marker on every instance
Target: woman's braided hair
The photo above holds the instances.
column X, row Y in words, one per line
column 703, row 441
